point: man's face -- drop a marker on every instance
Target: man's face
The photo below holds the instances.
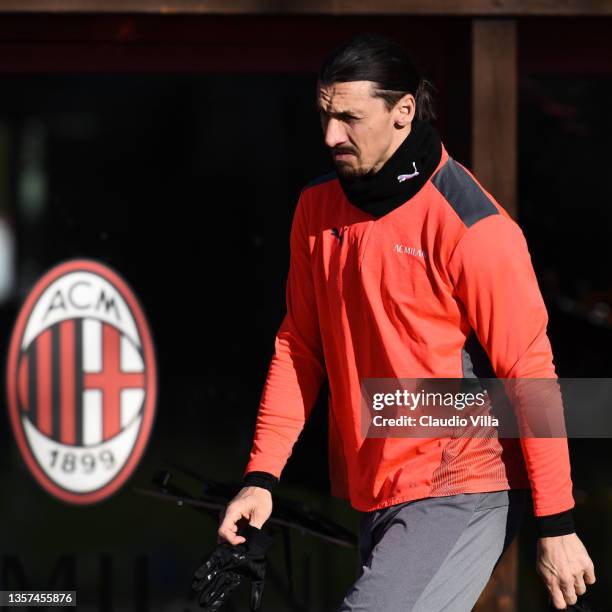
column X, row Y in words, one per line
column 358, row 128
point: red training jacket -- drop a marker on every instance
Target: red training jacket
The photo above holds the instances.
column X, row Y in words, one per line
column 397, row 297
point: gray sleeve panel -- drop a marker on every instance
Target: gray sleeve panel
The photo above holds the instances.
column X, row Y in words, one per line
column 476, row 366
column 460, row 190
column 321, row 179
column 475, row 361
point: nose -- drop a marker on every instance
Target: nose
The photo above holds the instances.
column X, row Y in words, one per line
column 334, row 133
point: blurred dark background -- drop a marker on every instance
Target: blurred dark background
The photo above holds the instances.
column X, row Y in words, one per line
column 175, row 153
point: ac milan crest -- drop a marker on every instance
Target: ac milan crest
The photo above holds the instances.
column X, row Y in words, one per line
column 81, row 381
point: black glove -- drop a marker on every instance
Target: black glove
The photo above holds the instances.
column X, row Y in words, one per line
column 229, row 565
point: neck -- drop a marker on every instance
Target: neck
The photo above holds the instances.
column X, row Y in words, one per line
column 410, row 161
column 398, row 137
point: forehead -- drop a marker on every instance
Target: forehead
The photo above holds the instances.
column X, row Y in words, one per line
column 342, row 96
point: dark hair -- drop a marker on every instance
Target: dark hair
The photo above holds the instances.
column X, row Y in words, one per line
column 376, row 58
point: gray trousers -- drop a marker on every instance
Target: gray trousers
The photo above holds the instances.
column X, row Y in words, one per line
column 435, row 554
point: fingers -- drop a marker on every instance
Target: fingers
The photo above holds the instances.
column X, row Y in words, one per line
column 562, row 592
column 258, row 519
column 228, row 529
column 583, row 575
column 557, row 597
column 565, row 567
column 256, row 593
column 253, row 504
column 217, row 592
column 589, row 573
column 566, row 584
column 579, row 585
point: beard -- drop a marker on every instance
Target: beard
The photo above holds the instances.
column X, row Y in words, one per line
column 346, row 170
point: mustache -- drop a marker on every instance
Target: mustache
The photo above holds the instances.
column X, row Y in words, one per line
column 340, row 150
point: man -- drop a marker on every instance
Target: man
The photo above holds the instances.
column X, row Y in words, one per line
column 402, row 265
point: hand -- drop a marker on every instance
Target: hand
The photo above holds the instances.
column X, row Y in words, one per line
column 565, row 567
column 253, row 504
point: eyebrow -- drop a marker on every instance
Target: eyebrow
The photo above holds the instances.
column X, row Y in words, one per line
column 338, row 114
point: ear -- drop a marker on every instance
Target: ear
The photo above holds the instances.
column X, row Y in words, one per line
column 404, row 111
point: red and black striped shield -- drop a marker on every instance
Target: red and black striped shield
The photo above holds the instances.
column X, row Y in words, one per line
column 81, row 381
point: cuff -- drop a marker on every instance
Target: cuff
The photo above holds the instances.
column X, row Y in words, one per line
column 554, row 525
column 260, row 479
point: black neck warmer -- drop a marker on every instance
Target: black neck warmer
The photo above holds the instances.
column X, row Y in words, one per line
column 401, row 176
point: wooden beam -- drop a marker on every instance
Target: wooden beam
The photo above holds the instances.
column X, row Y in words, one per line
column 494, row 142
column 489, row 8
column 494, row 108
